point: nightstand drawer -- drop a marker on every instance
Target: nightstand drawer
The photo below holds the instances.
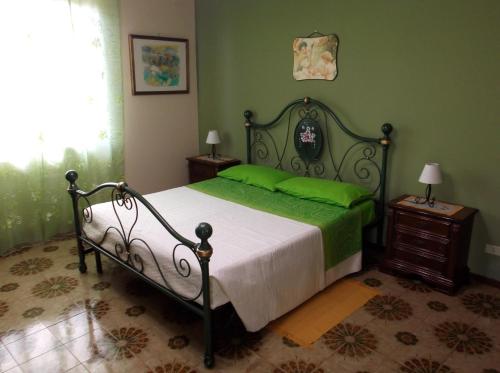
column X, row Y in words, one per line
column 200, row 172
column 203, row 167
column 437, row 264
column 436, row 245
column 422, row 223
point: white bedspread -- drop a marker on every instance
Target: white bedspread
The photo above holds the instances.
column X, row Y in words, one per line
column 265, row 265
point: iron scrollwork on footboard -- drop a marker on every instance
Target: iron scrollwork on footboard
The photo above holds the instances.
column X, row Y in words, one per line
column 126, row 246
column 311, row 152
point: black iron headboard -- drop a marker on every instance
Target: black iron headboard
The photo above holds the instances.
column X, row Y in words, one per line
column 311, row 151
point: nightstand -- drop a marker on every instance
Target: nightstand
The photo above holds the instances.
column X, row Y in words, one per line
column 203, row 167
column 431, row 245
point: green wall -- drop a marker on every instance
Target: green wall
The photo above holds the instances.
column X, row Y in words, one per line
column 431, row 68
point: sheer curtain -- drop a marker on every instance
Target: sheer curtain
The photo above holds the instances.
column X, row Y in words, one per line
column 61, row 107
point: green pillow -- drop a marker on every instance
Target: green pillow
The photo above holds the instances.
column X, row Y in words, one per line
column 326, row 191
column 260, row 176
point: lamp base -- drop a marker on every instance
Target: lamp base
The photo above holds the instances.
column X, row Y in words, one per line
column 430, row 201
column 213, row 154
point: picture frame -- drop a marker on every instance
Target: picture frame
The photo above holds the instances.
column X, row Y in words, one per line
column 315, row 57
column 159, row 65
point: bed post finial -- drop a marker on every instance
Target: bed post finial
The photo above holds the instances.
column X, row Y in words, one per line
column 247, row 114
column 203, row 232
column 307, row 100
column 386, row 130
column 71, row 176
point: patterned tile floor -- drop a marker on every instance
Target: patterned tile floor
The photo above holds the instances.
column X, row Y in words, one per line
column 52, row 319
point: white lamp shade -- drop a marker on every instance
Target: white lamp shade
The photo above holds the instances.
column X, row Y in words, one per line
column 213, row 137
column 431, row 174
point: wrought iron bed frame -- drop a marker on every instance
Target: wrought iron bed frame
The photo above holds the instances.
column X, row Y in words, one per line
column 311, row 112
column 122, row 196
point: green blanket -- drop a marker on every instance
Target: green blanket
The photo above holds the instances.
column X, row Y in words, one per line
column 341, row 228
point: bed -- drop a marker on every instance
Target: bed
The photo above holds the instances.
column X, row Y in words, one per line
column 256, row 238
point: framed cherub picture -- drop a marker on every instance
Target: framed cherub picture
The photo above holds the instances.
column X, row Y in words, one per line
column 315, row 57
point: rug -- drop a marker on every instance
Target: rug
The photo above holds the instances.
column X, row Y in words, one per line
column 308, row 322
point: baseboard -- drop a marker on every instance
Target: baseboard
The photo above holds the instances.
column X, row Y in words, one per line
column 485, row 280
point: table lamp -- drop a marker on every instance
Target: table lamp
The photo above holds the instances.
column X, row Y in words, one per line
column 213, row 139
column 431, row 175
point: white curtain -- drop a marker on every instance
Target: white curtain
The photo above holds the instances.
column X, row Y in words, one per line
column 60, row 108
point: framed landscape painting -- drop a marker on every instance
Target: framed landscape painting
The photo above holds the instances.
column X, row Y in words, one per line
column 159, row 65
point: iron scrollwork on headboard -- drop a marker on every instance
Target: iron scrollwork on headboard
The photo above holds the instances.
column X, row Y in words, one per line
column 314, row 154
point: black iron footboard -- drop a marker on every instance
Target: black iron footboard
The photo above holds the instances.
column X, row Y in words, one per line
column 123, row 197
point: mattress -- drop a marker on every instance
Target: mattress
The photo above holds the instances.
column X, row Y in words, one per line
column 263, row 263
column 341, row 228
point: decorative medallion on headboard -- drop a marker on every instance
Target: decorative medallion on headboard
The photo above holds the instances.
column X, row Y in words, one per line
column 308, row 137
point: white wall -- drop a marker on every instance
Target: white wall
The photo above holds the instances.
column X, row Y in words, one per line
column 160, row 130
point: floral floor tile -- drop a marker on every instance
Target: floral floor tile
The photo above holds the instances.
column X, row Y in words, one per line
column 465, row 363
column 11, row 291
column 360, row 317
column 174, row 358
column 53, row 251
column 97, row 288
column 423, row 365
column 21, row 312
column 373, row 363
column 378, row 280
column 6, row 360
column 78, row 369
column 298, row 365
column 476, row 286
column 32, row 346
column 74, row 327
column 248, row 364
column 114, row 366
column 410, row 338
column 350, row 341
column 56, row 360
column 14, row 370
column 111, row 322
column 24, row 284
column 490, row 326
column 127, row 341
column 484, row 303
column 13, row 331
column 31, row 266
column 414, row 285
column 7, row 262
column 435, row 307
column 86, row 347
column 388, row 307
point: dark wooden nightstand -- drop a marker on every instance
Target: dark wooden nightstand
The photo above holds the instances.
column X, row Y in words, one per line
column 428, row 244
column 203, row 167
